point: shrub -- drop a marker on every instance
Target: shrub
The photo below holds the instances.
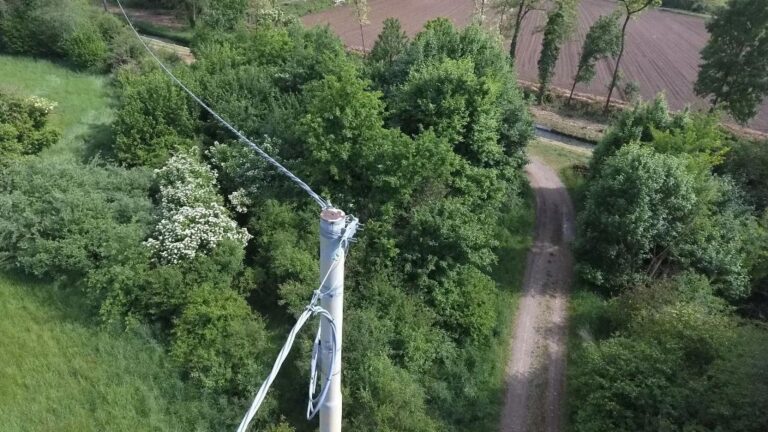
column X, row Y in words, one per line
column 23, row 129
column 192, row 218
column 219, row 342
column 87, row 49
column 155, row 118
column 62, row 219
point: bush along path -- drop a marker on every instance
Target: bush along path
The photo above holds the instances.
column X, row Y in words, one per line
column 535, row 374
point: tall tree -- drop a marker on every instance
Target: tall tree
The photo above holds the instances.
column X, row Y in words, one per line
column 603, row 40
column 504, row 8
column 480, row 8
column 193, row 9
column 391, row 43
column 559, row 26
column 631, row 8
column 734, row 72
column 361, row 10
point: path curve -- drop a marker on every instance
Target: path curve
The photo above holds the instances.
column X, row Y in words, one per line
column 535, row 372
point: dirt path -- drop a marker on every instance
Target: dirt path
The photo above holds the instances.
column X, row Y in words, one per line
column 536, row 366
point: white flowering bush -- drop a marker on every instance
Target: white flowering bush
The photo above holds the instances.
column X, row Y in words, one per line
column 240, row 200
column 192, row 218
column 44, row 105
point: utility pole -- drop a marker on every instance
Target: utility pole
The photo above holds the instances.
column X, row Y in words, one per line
column 332, row 226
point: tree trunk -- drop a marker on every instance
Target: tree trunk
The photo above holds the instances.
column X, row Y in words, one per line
column 618, row 62
column 573, row 87
column 518, row 21
column 362, row 36
column 106, row 9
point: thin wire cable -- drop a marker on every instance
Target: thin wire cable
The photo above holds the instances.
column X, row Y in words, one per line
column 318, row 199
column 311, row 310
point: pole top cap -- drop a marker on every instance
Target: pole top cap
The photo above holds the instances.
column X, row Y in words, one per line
column 332, row 215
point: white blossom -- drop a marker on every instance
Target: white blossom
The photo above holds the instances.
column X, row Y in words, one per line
column 192, row 218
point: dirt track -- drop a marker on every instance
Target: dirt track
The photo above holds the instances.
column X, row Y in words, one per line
column 535, row 373
column 662, row 47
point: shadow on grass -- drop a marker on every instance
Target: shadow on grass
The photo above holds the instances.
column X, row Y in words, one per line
column 97, row 142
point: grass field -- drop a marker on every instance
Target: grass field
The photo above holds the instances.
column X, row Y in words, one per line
column 60, row 373
column 84, row 111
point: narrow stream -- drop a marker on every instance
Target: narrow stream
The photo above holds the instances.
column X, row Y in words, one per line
column 545, row 132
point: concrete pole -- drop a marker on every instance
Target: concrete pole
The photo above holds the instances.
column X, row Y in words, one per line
column 332, row 224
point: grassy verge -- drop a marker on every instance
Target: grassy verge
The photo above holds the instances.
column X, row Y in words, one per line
column 305, row 7
column 60, row 373
column 515, row 237
column 568, row 161
column 84, row 108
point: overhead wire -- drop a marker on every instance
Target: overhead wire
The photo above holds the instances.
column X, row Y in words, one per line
column 316, row 197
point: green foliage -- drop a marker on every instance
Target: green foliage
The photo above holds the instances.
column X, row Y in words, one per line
column 672, row 365
column 603, row 40
column 223, row 15
column 73, row 30
column 23, row 126
column 747, row 164
column 155, row 118
column 391, row 43
column 396, row 402
column 631, row 126
column 62, row 219
column 556, row 31
column 735, row 60
column 701, row 6
column 635, row 211
column 219, row 342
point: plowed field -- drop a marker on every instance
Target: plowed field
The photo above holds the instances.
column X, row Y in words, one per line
column 662, row 51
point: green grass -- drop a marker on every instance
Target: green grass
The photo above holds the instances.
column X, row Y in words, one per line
column 562, row 159
column 84, row 111
column 305, row 7
column 515, row 236
column 59, row 373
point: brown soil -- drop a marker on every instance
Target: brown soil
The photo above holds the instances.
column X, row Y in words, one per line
column 535, row 373
column 662, row 50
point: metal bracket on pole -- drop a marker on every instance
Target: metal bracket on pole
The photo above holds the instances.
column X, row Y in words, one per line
column 333, row 223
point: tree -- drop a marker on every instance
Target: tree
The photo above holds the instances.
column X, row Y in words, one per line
column 634, row 215
column 559, row 26
column 223, row 15
column 361, row 9
column 504, row 9
column 480, row 6
column 734, row 71
column 391, row 43
column 631, row 8
column 603, row 40
column 193, row 9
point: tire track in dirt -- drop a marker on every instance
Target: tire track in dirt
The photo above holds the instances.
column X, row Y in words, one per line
column 535, row 372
